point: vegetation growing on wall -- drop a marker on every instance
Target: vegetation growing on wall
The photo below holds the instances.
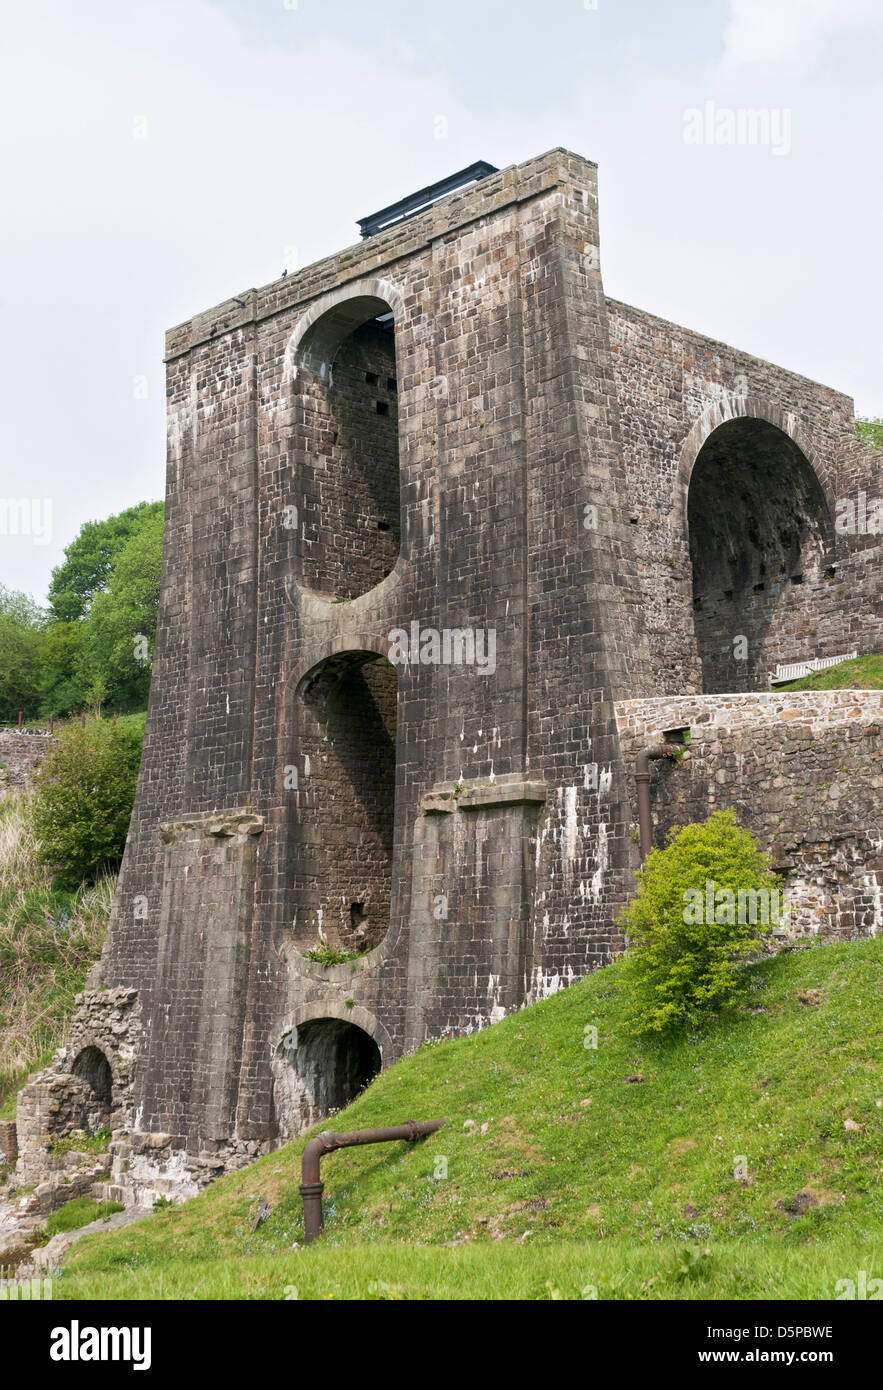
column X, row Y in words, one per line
column 860, row 673
column 49, row 937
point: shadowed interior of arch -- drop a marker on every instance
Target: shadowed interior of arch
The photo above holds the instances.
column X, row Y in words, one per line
column 92, row 1068
column 761, row 537
column 343, row 817
column 345, row 450
column 319, row 1067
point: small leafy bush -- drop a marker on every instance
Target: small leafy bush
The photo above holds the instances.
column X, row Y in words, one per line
column 97, row 1143
column 328, row 956
column 83, row 798
column 702, row 907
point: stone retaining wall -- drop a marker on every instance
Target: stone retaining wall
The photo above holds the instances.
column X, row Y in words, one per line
column 20, row 756
column 803, row 770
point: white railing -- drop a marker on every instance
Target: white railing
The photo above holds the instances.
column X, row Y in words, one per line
column 797, row 669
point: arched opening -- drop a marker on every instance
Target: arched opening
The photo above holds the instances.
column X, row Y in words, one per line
column 92, row 1068
column 346, row 450
column 319, row 1067
column 760, row 541
column 341, row 872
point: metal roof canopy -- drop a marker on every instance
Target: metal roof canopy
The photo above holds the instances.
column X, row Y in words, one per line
column 418, row 202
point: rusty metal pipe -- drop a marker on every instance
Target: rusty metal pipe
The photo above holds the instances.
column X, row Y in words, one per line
column 642, row 778
column 311, row 1185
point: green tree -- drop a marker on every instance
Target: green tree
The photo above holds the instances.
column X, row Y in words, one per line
column 89, row 561
column 83, row 797
column 689, row 930
column 62, row 683
column 103, row 610
column 22, row 638
column 871, row 430
column 122, row 623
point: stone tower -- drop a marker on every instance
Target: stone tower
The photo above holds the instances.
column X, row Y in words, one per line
column 437, row 510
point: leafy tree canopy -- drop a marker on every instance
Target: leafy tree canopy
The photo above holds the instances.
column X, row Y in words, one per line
column 22, row 625
column 89, row 560
column 871, row 430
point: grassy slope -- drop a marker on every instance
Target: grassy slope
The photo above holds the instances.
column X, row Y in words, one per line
column 42, row 965
column 622, row 1186
column 862, row 673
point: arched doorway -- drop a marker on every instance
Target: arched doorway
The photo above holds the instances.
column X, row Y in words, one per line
column 320, row 1067
column 760, row 542
column 346, row 449
column 92, row 1068
column 341, row 870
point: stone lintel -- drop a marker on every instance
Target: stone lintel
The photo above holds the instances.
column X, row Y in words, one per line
column 221, row 824
column 473, row 796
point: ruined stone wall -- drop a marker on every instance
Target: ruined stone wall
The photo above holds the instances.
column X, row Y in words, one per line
column 675, row 388
column 20, row 756
column 87, row 1089
column 803, row 770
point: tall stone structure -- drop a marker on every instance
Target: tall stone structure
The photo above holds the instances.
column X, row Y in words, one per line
column 437, row 510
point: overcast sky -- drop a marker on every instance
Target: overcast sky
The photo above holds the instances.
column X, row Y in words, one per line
column 161, row 156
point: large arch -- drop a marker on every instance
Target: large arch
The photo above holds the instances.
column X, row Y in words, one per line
column 750, row 407
column 760, row 537
column 319, row 1067
column 344, row 811
column 341, row 366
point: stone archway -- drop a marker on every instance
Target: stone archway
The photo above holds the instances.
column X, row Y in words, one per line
column 345, row 447
column 93, row 1070
column 319, row 1067
column 342, row 871
column 760, row 544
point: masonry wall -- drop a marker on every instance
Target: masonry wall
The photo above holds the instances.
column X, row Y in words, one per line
column 802, row 770
column 348, row 528
column 528, row 474
column 20, row 756
column 675, row 388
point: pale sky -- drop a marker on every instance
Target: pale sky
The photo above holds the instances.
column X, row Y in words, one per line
column 161, row 156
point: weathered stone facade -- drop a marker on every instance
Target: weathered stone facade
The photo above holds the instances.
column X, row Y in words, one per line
column 436, row 508
column 21, row 753
column 803, row 770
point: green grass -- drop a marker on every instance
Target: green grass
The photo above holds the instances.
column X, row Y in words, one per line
column 567, row 1269
column 733, row 1142
column 48, row 940
column 79, row 1212
column 861, row 673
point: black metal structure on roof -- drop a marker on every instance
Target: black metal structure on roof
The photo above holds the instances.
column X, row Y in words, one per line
column 424, row 198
